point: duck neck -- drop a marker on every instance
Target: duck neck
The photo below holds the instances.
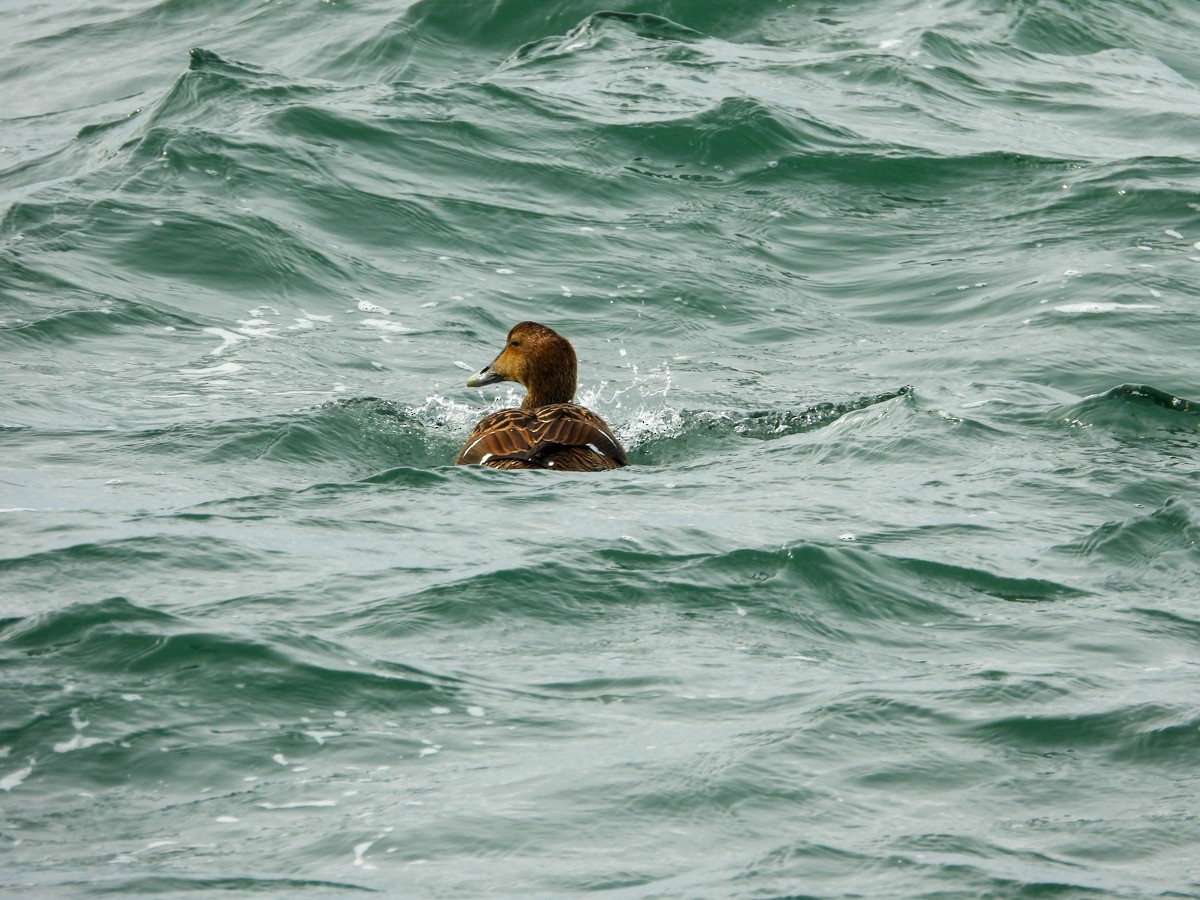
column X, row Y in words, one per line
column 559, row 388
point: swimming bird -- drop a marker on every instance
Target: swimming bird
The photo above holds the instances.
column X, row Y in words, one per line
column 548, row 430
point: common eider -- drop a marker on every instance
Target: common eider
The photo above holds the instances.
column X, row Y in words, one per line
column 548, row 430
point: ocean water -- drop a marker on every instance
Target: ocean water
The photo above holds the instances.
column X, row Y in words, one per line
column 894, row 304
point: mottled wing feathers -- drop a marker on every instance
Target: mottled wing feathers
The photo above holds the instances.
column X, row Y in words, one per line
column 579, row 427
column 501, row 434
column 558, row 436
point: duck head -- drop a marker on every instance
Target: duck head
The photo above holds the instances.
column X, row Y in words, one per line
column 537, row 357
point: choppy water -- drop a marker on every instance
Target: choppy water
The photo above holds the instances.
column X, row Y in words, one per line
column 894, row 304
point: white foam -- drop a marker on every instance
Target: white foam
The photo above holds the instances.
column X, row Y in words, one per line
column 385, row 325
column 12, row 779
column 648, row 424
column 359, row 852
column 321, row 736
column 442, row 412
column 369, row 307
column 299, row 804
column 228, row 337
column 77, row 741
column 1103, row 307
column 257, row 328
column 229, row 368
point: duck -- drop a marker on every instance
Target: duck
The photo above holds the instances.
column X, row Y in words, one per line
column 549, row 430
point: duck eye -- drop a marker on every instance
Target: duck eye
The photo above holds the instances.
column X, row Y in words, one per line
column 514, row 343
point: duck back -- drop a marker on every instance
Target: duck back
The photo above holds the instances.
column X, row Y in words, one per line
column 561, row 436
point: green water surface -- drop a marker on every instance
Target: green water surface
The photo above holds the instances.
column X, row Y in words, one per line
column 892, row 302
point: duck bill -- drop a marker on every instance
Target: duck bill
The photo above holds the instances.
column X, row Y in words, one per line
column 483, row 376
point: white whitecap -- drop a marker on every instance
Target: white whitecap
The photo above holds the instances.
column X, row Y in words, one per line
column 229, row 368
column 298, row 804
column 385, row 325
column 228, row 337
column 368, row 306
column 321, row 736
column 77, row 742
column 256, row 328
column 12, row 779
column 1102, row 307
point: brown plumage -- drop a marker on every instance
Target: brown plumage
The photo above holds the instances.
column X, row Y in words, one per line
column 548, row 430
